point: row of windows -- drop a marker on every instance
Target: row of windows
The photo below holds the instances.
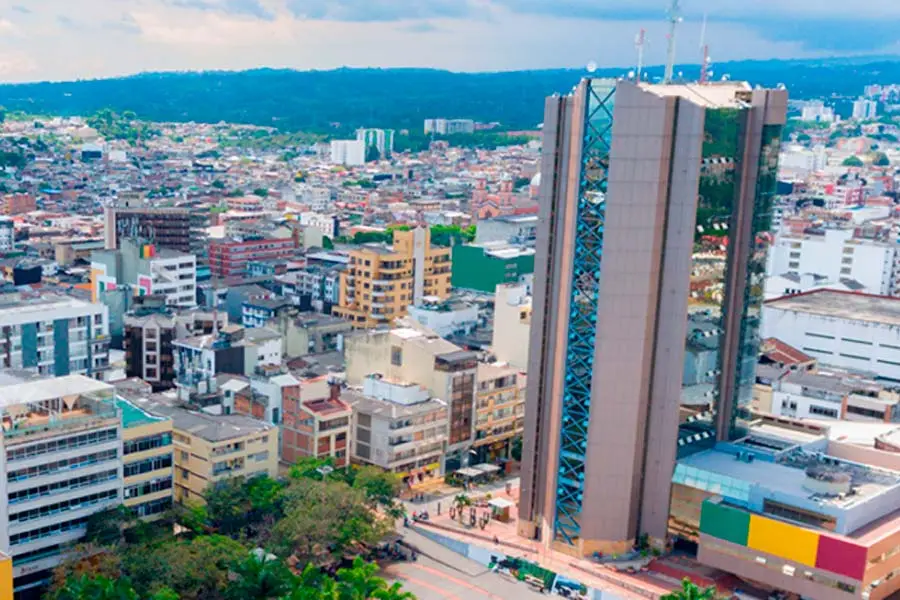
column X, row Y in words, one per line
column 49, row 530
column 87, row 439
column 61, row 507
column 147, row 465
column 154, row 507
column 62, row 465
column 62, row 486
column 147, row 443
column 148, row 487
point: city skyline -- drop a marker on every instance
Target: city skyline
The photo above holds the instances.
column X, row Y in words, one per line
column 121, row 37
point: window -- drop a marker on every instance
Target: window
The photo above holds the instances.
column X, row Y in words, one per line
column 396, row 356
column 866, row 412
column 821, row 411
column 147, row 487
column 819, row 335
column 147, row 443
column 62, row 465
column 88, row 439
column 150, row 464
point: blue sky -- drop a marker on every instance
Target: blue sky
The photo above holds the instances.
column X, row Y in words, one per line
column 69, row 39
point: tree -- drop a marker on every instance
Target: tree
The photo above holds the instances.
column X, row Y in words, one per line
column 327, row 244
column 880, row 159
column 325, row 519
column 218, row 184
column 395, row 592
column 360, row 581
column 198, row 568
column 95, row 588
column 261, row 192
column 106, row 527
column 852, row 161
column 516, row 450
column 260, row 577
column 312, row 584
column 690, row 591
column 87, row 560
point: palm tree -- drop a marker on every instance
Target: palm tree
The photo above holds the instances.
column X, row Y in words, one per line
column 395, row 592
column 360, row 581
column 95, row 588
column 260, row 578
column 460, row 501
column 690, row 591
column 313, row 585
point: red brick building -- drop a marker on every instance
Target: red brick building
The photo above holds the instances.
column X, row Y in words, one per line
column 318, row 427
column 229, row 257
column 17, row 204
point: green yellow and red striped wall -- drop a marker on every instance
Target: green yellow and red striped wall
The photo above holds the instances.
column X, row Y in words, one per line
column 784, row 540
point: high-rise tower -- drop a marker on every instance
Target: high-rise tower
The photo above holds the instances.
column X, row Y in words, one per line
column 655, row 209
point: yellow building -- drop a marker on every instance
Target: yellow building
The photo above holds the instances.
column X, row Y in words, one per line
column 147, row 460
column 499, row 410
column 211, row 448
column 381, row 282
column 6, row 577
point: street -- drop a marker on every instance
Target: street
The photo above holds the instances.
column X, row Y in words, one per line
column 432, row 580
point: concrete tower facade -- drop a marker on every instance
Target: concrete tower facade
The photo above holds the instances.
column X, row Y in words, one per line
column 655, row 211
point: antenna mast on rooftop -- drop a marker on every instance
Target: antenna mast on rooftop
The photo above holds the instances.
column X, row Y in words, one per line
column 704, row 47
column 639, row 42
column 674, row 20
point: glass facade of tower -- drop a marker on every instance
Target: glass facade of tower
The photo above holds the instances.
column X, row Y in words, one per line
column 582, row 322
column 716, row 218
column 706, row 305
column 760, row 241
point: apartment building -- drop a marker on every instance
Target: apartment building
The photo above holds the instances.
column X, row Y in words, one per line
column 149, row 337
column 512, row 325
column 7, row 234
column 147, row 459
column 55, row 334
column 316, row 423
column 380, row 281
column 309, row 333
column 62, row 444
column 173, row 228
column 827, row 394
column 229, row 257
column 232, row 350
column 148, row 269
column 209, row 448
column 499, row 411
column 838, row 257
column 422, row 358
column 399, row 427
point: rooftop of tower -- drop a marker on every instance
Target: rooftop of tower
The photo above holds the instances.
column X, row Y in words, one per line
column 723, row 94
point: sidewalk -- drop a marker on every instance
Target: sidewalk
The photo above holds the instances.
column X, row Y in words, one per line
column 441, row 554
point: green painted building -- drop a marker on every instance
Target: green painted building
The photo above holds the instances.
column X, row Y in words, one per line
column 484, row 267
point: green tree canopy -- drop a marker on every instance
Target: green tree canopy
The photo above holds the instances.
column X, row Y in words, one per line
column 690, row 591
column 852, row 161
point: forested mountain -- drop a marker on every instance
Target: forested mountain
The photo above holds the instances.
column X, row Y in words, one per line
column 398, row 98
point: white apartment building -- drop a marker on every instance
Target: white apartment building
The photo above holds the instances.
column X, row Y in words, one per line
column 865, row 110
column 173, row 274
column 815, row 110
column 56, row 335
column 351, row 153
column 398, row 426
column 803, row 161
column 832, row 257
column 318, row 198
column 327, row 223
column 449, row 126
column 62, row 462
column 852, row 331
column 512, row 325
column 7, row 234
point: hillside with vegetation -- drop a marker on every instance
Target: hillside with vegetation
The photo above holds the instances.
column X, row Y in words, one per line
column 339, row 100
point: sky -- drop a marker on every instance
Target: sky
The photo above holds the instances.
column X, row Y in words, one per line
column 80, row 39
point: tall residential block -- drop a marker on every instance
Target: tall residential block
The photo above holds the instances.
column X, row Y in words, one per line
column 56, row 335
column 380, row 281
column 61, row 459
column 656, row 205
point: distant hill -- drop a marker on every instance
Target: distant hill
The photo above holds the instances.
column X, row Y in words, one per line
column 398, row 98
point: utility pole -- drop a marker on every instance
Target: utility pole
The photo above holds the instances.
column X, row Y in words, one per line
column 674, row 20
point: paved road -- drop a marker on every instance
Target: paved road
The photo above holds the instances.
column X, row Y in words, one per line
column 432, row 580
